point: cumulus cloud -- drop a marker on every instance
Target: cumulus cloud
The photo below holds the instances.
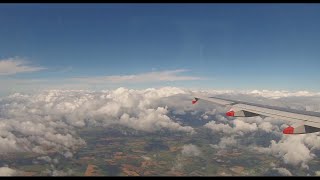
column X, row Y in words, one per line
column 45, row 159
column 243, row 127
column 283, row 171
column 5, row 171
column 16, row 65
column 190, row 150
column 219, row 127
column 266, row 126
column 225, row 142
column 239, row 127
column 53, row 171
column 48, row 121
column 204, row 116
column 294, row 150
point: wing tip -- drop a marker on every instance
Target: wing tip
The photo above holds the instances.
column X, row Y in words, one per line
column 195, row 100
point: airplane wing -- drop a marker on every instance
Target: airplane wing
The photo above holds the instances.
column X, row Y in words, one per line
column 305, row 121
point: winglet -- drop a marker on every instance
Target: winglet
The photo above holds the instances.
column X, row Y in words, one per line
column 195, row 100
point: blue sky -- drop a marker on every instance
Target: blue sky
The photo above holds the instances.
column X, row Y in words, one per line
column 219, row 46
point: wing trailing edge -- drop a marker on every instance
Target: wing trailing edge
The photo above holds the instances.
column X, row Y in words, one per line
column 305, row 121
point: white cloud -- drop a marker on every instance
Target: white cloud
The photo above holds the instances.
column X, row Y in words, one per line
column 5, row 171
column 219, row 128
column 91, row 83
column 16, row 65
column 280, row 94
column 190, row 150
column 243, row 127
column 270, row 94
column 294, row 150
column 266, row 126
column 239, row 127
column 226, row 142
column 171, row 75
column 283, row 171
column 48, row 121
column 55, row 172
column 45, row 158
column 204, row 116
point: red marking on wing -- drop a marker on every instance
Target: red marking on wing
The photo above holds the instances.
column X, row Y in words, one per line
column 230, row 113
column 288, row 130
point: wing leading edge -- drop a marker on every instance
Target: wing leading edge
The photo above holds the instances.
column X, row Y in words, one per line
column 305, row 121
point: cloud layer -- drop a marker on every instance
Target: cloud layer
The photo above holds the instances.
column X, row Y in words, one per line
column 156, row 76
column 16, row 65
column 48, row 121
column 13, row 66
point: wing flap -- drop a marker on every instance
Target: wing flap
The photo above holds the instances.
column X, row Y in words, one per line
column 289, row 116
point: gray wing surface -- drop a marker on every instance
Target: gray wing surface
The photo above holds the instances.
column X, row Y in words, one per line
column 298, row 116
